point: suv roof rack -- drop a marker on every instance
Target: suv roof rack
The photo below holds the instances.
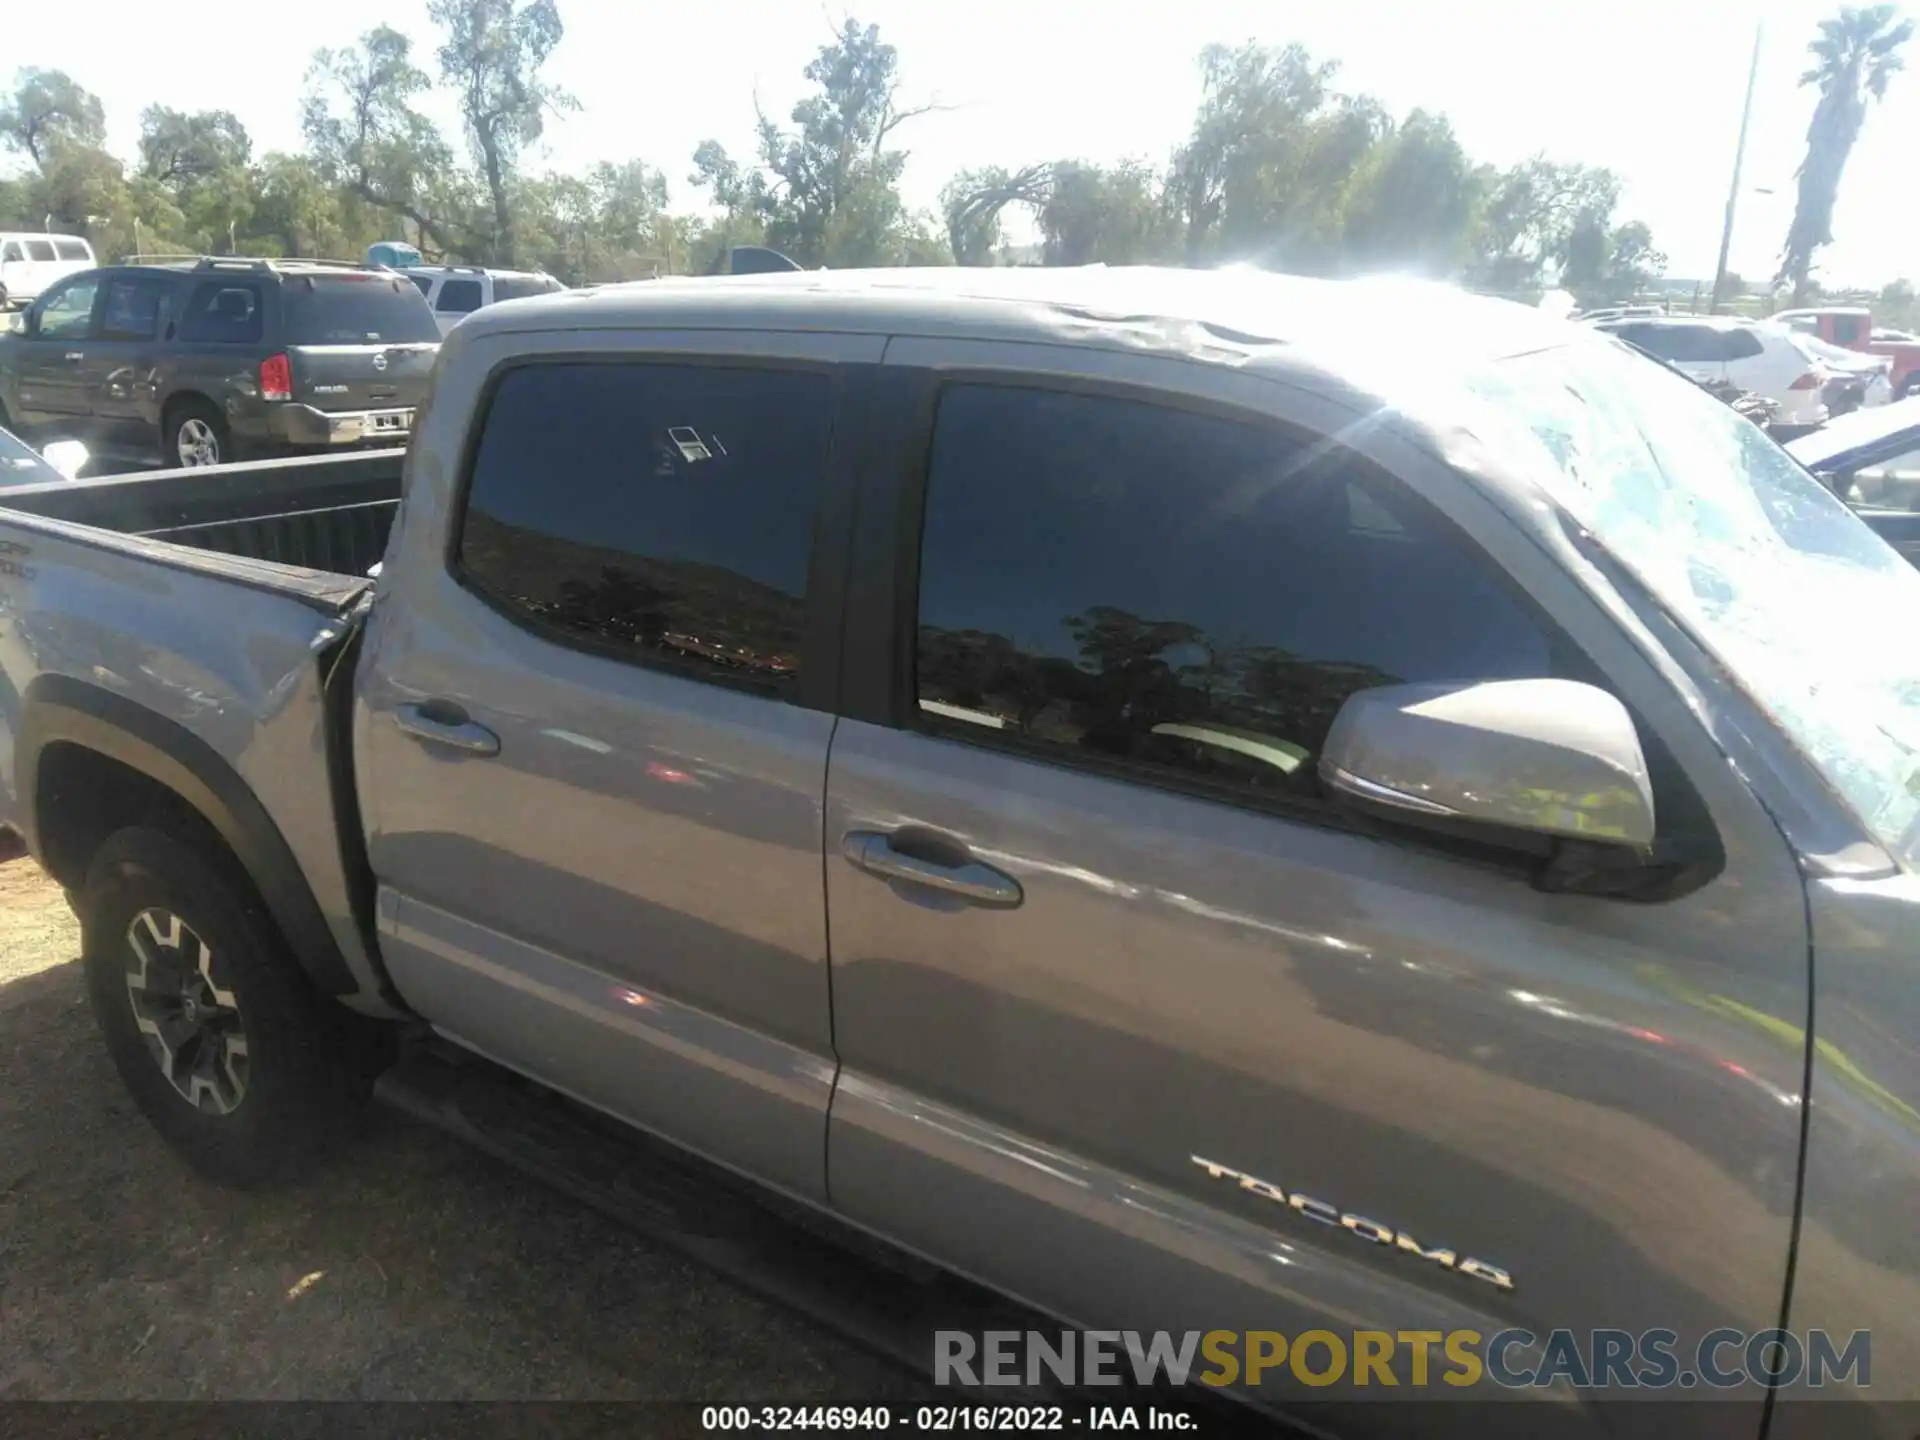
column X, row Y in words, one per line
column 249, row 262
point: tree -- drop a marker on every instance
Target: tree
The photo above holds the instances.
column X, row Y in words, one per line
column 48, row 111
column 827, row 191
column 1116, row 215
column 492, row 56
column 1856, row 53
column 1412, row 201
column 365, row 135
column 1545, row 221
column 972, row 203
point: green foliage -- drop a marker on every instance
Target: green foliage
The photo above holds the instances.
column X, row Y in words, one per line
column 1855, row 54
column 1280, row 168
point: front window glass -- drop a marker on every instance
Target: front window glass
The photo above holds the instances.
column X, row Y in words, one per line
column 1769, row 570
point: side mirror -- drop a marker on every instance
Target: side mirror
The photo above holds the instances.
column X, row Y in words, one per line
column 1551, row 758
column 69, row 457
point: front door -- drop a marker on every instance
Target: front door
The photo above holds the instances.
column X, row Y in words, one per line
column 594, row 740
column 52, row 361
column 1136, row 1023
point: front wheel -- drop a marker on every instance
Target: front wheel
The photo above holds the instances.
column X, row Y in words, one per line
column 245, row 1068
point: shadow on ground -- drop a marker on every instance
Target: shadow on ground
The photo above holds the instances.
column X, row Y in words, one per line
column 409, row 1269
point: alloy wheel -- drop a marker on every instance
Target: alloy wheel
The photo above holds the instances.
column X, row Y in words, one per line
column 197, row 443
column 192, row 1025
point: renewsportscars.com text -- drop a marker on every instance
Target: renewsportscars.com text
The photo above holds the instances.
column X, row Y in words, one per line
column 1512, row 1359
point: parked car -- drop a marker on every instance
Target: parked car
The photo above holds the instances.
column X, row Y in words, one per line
column 1860, row 380
column 456, row 291
column 1421, row 809
column 1851, row 328
column 31, row 262
column 21, row 464
column 198, row 361
column 1761, row 358
column 1872, row 461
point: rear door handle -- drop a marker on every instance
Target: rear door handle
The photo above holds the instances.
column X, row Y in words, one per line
column 440, row 722
column 978, row 884
column 75, row 356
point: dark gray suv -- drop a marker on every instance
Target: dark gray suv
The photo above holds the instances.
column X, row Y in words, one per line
column 196, row 361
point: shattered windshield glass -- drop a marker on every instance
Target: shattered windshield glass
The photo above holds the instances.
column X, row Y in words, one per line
column 1813, row 611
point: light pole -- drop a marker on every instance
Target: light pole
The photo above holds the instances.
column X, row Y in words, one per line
column 1739, row 159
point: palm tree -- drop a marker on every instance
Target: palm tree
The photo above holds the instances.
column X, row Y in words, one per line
column 1857, row 52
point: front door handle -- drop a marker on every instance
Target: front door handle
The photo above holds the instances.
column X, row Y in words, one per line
column 440, row 722
column 971, row 881
column 75, row 356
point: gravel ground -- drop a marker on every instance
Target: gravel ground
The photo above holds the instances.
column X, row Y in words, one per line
column 411, row 1269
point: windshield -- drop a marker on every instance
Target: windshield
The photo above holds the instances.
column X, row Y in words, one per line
column 21, row 466
column 1776, row 577
column 356, row 309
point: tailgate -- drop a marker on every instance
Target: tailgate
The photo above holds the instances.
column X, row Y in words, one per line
column 361, row 377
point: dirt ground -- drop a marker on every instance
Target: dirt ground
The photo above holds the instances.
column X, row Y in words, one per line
column 411, row 1269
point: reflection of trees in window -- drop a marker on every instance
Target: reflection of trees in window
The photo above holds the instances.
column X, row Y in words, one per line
column 673, row 608
column 1133, row 674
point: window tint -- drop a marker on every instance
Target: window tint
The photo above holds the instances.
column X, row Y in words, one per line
column 72, row 250
column 40, row 250
column 12, row 251
column 1850, row 330
column 458, row 297
column 1688, row 344
column 422, row 283
column 67, row 313
column 519, row 287
column 354, row 309
column 134, row 308
column 222, row 312
column 1741, row 344
column 1132, row 584
column 665, row 511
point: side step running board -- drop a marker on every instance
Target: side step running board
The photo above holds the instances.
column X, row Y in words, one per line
column 839, row 1277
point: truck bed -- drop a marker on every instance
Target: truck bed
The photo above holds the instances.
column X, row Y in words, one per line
column 329, row 513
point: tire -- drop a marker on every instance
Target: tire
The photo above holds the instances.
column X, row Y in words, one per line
column 194, row 428
column 267, row 1075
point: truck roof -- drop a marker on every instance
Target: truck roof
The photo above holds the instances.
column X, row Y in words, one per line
column 1180, row 311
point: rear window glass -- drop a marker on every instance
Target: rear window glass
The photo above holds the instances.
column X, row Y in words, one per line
column 459, row 297
column 422, row 283
column 354, row 310
column 72, row 250
column 222, row 312
column 40, row 250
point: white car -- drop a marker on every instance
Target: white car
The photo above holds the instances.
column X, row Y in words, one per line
column 1869, row 375
column 29, row 262
column 1769, row 360
column 456, row 291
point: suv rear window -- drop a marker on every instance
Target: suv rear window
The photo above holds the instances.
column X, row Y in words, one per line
column 354, row 309
column 40, row 250
column 72, row 250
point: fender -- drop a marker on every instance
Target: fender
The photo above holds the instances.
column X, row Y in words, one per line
column 60, row 708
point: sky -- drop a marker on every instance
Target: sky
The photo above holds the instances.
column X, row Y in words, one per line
column 1649, row 88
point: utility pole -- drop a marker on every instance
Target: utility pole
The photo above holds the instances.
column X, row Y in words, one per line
column 1739, row 159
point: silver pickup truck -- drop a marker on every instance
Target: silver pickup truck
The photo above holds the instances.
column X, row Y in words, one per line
column 1106, row 781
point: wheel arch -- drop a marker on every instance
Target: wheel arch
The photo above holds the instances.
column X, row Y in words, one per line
column 80, row 742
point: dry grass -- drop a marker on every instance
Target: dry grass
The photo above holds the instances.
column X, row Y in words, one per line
column 411, row 1269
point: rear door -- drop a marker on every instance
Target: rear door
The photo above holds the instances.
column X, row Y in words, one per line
column 357, row 340
column 594, row 727
column 1132, row 1018
column 138, row 310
